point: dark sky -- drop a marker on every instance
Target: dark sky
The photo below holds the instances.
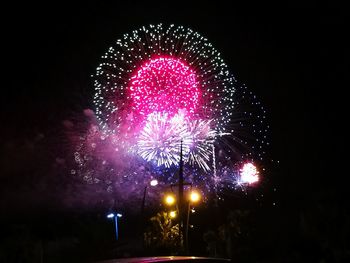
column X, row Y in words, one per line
column 292, row 58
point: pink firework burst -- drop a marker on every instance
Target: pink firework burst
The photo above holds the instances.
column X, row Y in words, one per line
column 249, row 173
column 164, row 84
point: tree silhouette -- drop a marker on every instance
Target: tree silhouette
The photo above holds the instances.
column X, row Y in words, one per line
column 163, row 234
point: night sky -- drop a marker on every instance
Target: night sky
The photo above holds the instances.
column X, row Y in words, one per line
column 293, row 59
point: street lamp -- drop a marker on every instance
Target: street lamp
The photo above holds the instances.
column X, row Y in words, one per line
column 172, row 214
column 153, row 183
column 169, row 199
column 115, row 216
column 181, row 203
column 194, row 196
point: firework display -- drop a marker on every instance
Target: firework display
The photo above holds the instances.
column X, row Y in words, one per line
column 161, row 87
column 162, row 69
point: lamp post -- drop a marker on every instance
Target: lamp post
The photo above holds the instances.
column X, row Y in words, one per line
column 193, row 198
column 143, row 223
column 153, row 182
column 181, row 197
column 170, row 201
column 115, row 216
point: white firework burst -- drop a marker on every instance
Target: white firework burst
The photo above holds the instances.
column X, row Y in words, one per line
column 201, row 149
column 160, row 140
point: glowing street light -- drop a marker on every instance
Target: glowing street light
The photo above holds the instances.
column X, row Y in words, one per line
column 111, row 215
column 194, row 197
column 115, row 216
column 170, row 199
column 154, row 182
column 172, row 214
